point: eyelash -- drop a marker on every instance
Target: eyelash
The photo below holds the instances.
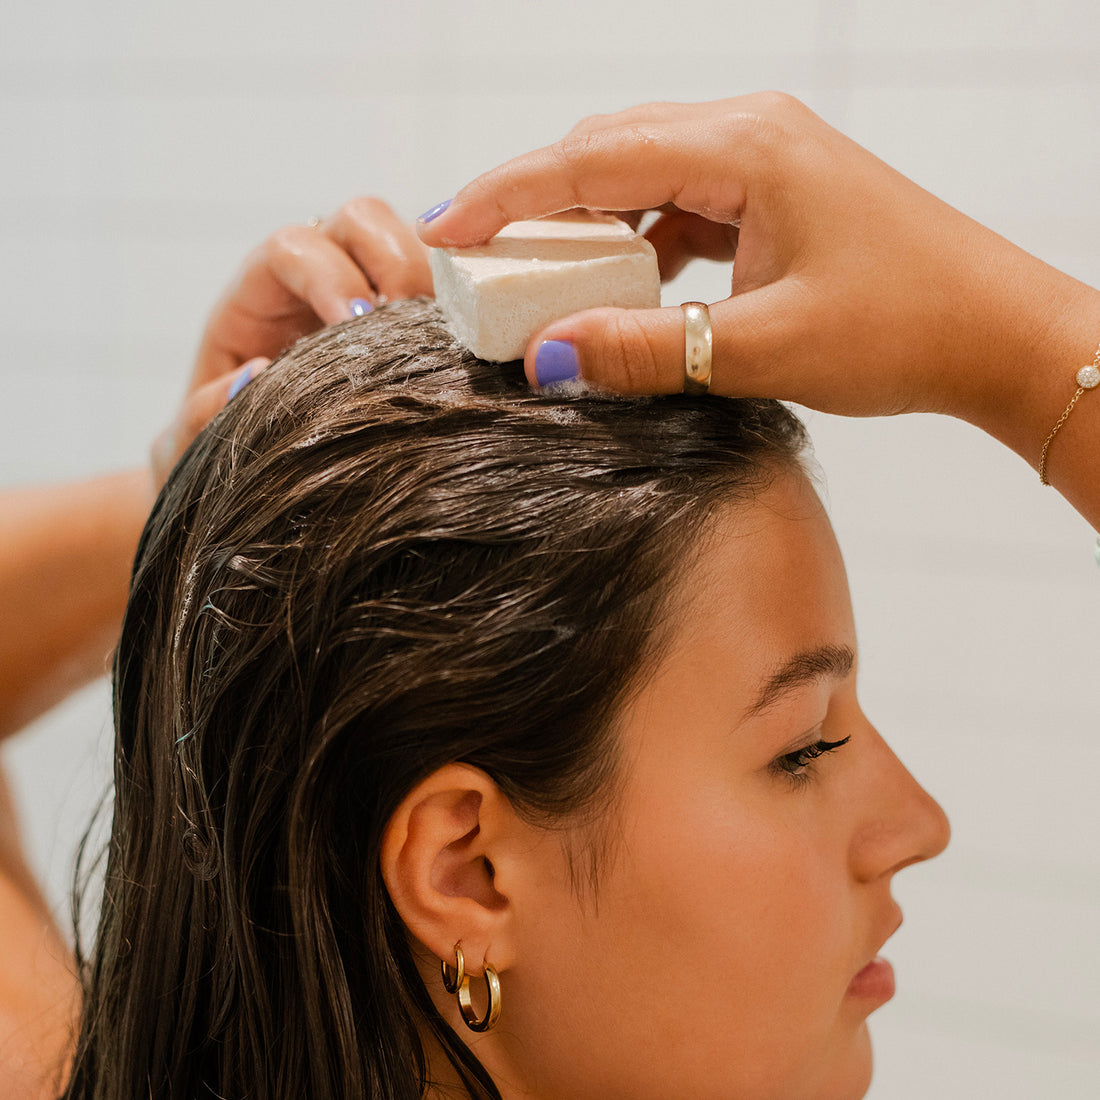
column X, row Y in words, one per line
column 797, row 767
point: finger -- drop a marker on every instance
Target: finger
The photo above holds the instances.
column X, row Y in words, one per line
column 386, row 248
column 634, row 167
column 236, row 334
column 312, row 268
column 196, row 412
column 680, row 237
column 636, row 351
column 644, row 112
column 297, row 280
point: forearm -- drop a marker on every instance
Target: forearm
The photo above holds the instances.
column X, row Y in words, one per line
column 65, row 558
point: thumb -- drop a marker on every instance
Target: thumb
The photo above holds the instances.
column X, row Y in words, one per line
column 641, row 351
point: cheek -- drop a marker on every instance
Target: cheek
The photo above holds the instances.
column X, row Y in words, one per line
column 755, row 904
column 717, row 931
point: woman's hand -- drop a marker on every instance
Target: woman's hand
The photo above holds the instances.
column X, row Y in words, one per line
column 854, row 290
column 300, row 278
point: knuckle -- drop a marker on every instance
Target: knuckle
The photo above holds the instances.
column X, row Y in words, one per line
column 626, row 356
column 655, row 109
column 590, row 122
column 493, row 193
column 778, row 103
column 287, row 242
column 758, row 131
column 578, row 156
column 573, row 152
column 765, row 111
column 365, row 209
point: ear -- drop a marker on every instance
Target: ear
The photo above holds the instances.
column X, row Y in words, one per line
column 439, row 861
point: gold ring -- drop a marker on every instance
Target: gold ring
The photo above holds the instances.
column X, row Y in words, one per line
column 698, row 346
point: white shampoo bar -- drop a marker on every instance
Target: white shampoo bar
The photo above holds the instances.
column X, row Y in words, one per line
column 495, row 297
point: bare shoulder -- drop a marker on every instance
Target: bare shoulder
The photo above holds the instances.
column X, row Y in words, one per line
column 38, row 987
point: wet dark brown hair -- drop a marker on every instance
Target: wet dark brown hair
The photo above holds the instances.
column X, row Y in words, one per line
column 383, row 557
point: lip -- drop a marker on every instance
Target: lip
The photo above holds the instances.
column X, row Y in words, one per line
column 875, row 982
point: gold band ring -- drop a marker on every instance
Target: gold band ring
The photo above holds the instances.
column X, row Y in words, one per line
column 698, row 347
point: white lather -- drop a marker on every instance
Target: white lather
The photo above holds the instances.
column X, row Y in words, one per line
column 495, row 297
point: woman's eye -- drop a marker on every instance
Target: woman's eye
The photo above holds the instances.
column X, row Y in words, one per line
column 796, row 765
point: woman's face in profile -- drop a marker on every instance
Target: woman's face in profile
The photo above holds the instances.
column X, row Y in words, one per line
column 726, row 949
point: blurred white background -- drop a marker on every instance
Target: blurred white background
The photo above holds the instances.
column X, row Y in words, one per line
column 147, row 147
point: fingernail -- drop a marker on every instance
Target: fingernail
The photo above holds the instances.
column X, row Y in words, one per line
column 240, row 381
column 555, row 361
column 431, row 215
column 360, row 307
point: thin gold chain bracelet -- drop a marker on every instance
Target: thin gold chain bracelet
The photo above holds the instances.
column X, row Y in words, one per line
column 1088, row 378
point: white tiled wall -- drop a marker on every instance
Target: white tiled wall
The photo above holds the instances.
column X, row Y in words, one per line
column 145, row 150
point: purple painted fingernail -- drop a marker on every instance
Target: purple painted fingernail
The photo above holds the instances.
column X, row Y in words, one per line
column 360, row 307
column 431, row 215
column 240, row 382
column 555, row 361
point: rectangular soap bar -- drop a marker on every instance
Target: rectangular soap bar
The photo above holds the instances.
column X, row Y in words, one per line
column 495, row 297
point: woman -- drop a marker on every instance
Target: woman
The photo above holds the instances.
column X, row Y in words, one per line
column 679, row 839
column 421, row 668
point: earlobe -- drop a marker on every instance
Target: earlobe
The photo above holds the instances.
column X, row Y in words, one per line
column 437, row 861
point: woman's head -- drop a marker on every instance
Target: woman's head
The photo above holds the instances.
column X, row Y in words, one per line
column 414, row 657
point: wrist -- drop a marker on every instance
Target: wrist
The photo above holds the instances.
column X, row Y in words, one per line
column 1034, row 328
column 1027, row 392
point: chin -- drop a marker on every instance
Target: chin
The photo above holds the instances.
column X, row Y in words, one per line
column 839, row 1071
column 850, row 1077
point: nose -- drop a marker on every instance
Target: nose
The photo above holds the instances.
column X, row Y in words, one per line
column 898, row 822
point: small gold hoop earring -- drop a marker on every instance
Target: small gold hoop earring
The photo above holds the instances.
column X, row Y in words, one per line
column 451, row 984
column 466, row 1005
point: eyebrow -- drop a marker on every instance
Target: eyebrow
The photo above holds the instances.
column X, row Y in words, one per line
column 827, row 662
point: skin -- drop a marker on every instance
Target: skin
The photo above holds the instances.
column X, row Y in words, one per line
column 735, row 902
column 854, row 292
column 65, row 559
column 38, row 995
column 64, row 573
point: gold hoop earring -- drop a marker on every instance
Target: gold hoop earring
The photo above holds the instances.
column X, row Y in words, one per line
column 451, row 984
column 466, row 1005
